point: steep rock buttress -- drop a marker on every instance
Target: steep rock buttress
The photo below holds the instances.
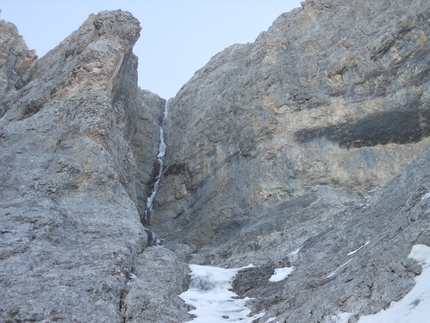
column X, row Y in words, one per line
column 78, row 143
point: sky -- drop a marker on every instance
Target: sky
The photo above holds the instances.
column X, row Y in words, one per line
column 177, row 38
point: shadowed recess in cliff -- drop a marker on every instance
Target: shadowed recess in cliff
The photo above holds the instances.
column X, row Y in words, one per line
column 399, row 127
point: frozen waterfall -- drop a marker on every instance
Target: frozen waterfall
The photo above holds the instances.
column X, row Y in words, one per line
column 153, row 238
column 160, row 161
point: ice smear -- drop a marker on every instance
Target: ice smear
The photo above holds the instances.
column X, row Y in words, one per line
column 341, row 266
column 271, row 319
column 281, row 274
column 414, row 307
column 353, row 252
column 212, row 298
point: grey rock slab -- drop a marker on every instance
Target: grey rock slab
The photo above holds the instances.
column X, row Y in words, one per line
column 158, row 277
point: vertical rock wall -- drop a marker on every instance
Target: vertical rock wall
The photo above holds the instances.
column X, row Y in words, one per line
column 335, row 93
column 70, row 125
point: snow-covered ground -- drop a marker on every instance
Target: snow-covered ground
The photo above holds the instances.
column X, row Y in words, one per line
column 210, row 294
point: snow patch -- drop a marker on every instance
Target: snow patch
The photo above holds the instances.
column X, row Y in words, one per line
column 210, row 293
column 271, row 319
column 414, row 307
column 281, row 274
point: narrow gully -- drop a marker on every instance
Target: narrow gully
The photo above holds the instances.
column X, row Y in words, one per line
column 153, row 238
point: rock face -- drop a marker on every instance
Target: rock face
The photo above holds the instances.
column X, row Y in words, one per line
column 276, row 149
column 14, row 60
column 304, row 149
column 313, row 101
column 353, row 261
column 144, row 145
column 152, row 294
column 71, row 126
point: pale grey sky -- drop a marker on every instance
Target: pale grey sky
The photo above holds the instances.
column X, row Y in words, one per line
column 177, row 38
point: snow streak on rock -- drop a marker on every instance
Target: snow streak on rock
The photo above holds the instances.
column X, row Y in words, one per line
column 426, row 196
column 271, row 319
column 295, row 251
column 357, row 250
column 340, row 267
column 154, row 240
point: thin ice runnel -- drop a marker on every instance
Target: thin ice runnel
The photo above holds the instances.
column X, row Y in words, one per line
column 155, row 239
column 160, row 161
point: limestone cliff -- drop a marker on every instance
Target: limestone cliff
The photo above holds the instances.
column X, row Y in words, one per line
column 304, row 149
column 78, row 142
column 335, row 93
